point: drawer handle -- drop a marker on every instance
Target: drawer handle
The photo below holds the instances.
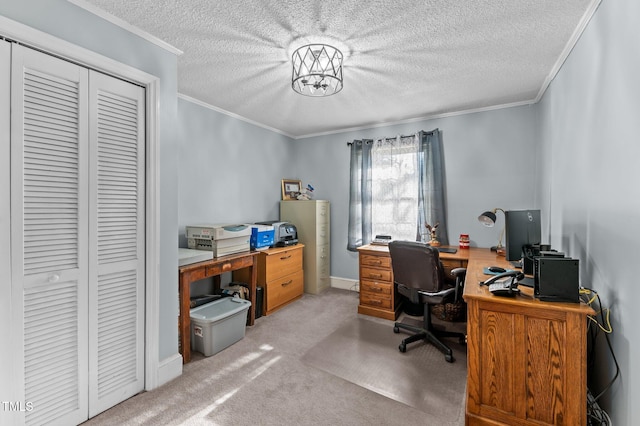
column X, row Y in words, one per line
column 375, row 302
column 285, row 257
column 287, row 283
column 377, row 262
column 375, row 275
column 377, row 289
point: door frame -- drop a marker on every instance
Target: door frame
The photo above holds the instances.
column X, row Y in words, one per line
column 47, row 43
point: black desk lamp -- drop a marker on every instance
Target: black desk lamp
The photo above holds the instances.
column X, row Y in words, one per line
column 488, row 219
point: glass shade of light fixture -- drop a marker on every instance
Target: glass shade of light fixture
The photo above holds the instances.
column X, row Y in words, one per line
column 317, row 70
column 488, row 219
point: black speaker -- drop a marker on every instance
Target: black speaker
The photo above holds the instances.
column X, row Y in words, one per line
column 557, row 279
column 259, row 301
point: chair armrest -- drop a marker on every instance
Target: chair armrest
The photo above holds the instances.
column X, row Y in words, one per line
column 441, row 293
column 459, row 272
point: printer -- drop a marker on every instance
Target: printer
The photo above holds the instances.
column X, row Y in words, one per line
column 285, row 233
column 221, row 239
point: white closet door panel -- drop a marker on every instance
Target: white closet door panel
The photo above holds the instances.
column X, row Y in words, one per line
column 116, row 249
column 52, row 352
column 10, row 385
column 49, row 233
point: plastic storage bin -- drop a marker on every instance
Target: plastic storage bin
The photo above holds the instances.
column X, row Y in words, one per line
column 218, row 325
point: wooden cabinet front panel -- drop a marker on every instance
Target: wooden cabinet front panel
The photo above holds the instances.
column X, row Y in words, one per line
column 376, row 287
column 525, row 366
column 284, row 290
column 497, row 373
column 376, row 274
column 546, row 367
column 375, row 300
column 375, row 261
column 282, row 263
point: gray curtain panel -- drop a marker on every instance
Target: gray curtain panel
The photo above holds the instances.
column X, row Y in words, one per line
column 432, row 197
column 359, row 232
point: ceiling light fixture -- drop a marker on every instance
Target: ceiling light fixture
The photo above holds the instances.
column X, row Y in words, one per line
column 317, row 70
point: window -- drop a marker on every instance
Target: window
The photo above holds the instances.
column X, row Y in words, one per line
column 396, row 187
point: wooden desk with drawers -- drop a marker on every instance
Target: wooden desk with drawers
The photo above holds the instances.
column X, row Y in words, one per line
column 211, row 268
column 526, row 359
column 378, row 295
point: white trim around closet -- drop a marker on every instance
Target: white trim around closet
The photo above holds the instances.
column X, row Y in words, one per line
column 47, row 43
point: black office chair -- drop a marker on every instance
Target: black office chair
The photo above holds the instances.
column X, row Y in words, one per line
column 419, row 275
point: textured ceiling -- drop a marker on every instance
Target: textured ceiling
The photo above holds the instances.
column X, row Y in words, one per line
column 403, row 59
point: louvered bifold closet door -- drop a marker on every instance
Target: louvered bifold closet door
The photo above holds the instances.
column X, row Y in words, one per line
column 116, row 241
column 49, row 216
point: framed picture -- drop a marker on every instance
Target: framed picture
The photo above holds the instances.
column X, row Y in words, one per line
column 290, row 189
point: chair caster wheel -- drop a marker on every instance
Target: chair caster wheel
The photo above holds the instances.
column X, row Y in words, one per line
column 448, row 358
column 396, row 330
column 402, row 348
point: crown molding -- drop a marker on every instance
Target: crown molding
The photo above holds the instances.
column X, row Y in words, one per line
column 125, row 25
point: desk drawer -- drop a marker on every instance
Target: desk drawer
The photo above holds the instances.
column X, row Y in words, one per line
column 196, row 274
column 284, row 289
column 375, row 274
column 375, row 261
column 322, row 234
column 376, row 287
column 375, row 300
column 283, row 263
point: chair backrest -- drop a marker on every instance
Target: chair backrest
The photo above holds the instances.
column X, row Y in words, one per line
column 416, row 266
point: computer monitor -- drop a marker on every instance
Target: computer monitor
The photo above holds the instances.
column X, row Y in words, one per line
column 522, row 227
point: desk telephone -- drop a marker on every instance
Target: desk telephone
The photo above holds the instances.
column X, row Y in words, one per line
column 505, row 284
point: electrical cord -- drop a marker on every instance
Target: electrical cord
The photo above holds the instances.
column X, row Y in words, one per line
column 595, row 415
column 592, row 295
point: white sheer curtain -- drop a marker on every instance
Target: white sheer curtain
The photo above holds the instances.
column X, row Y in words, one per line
column 394, row 186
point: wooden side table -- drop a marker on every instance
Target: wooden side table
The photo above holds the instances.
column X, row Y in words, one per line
column 211, row 268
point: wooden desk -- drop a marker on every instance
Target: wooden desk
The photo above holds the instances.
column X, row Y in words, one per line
column 211, row 268
column 378, row 296
column 526, row 359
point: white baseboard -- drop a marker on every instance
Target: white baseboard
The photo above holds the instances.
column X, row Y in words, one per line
column 170, row 368
column 345, row 284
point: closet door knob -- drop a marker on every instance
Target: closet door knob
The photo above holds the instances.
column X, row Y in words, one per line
column 53, row 278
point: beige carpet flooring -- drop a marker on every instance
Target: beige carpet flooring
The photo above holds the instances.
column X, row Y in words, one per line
column 263, row 380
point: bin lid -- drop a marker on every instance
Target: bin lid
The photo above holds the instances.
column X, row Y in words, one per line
column 219, row 309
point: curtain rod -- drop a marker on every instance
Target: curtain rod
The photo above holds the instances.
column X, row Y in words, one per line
column 393, row 137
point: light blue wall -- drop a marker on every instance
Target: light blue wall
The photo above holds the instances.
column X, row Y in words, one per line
column 573, row 155
column 230, row 170
column 68, row 22
column 589, row 122
column 491, row 160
